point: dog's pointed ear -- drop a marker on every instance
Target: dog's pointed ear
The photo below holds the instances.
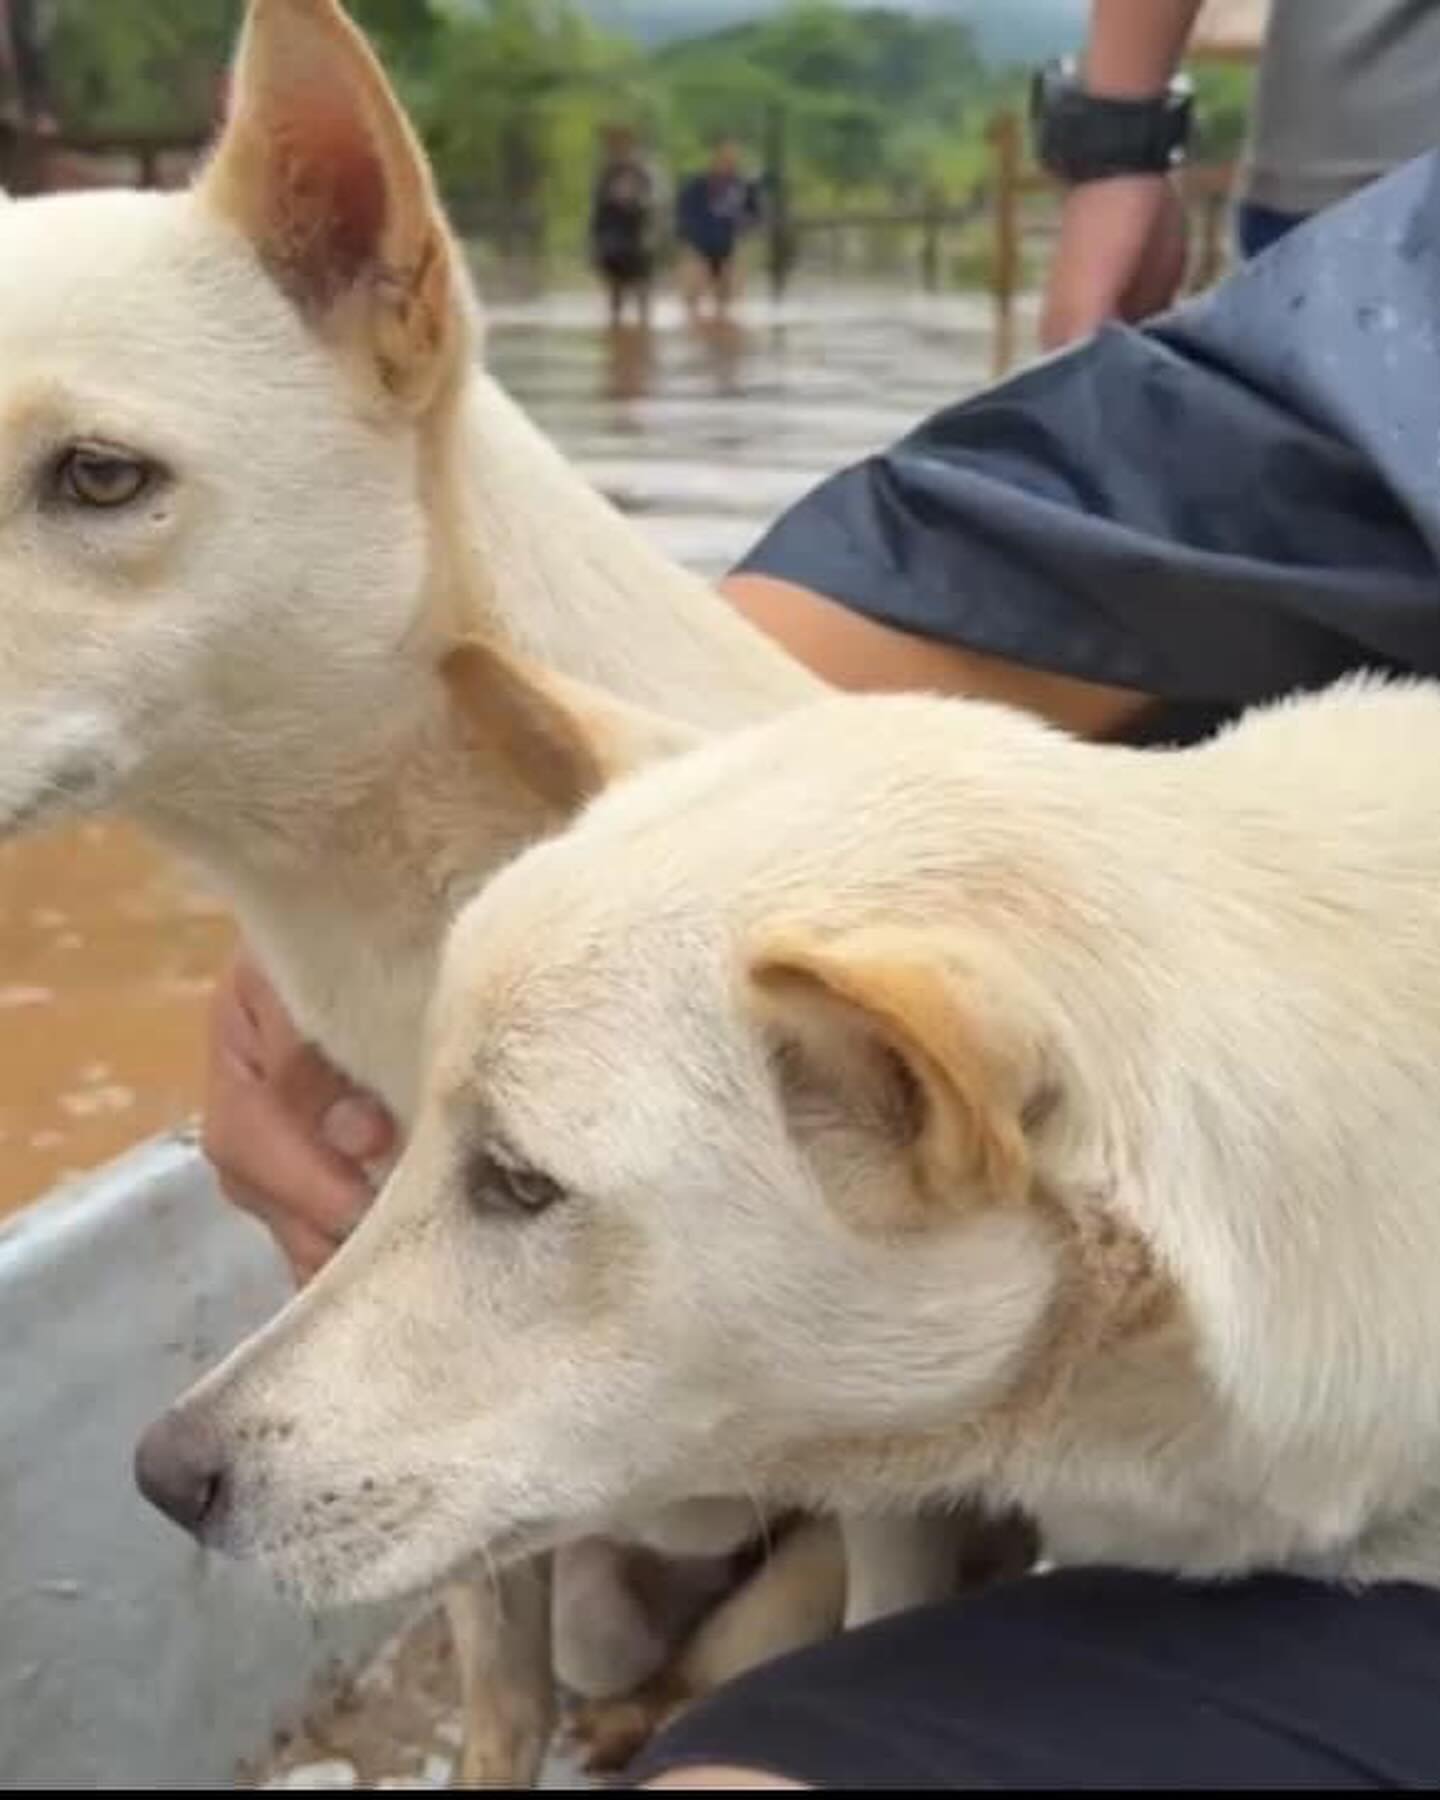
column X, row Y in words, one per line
column 320, row 169
column 561, row 740
column 944, row 1057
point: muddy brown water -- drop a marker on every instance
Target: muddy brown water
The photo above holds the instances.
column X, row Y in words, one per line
column 108, row 951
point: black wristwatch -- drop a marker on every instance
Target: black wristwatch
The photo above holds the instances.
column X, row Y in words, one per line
column 1078, row 136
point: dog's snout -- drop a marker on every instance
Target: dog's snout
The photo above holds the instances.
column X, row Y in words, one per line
column 180, row 1469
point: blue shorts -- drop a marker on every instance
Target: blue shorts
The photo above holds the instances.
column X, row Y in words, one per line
column 1258, row 227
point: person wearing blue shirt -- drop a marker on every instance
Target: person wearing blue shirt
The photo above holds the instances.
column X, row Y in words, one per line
column 713, row 211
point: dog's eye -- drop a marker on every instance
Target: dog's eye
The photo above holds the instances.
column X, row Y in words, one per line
column 495, row 1186
column 97, row 476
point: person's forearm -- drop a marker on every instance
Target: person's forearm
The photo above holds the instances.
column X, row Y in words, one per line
column 1135, row 46
column 860, row 654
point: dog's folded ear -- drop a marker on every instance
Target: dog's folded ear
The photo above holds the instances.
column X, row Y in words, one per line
column 946, row 1056
column 561, row 740
column 318, row 166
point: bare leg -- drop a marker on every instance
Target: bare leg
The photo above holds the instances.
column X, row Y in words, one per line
column 795, row 1598
column 893, row 1563
column 896, row 1562
column 621, row 1612
column 726, row 287
column 692, row 284
column 507, row 1689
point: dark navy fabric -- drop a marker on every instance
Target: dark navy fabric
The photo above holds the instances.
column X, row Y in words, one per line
column 1237, row 500
column 1098, row 1679
column 1258, row 227
column 711, row 212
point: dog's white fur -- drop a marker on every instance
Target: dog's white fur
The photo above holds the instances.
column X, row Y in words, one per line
column 936, row 1105
column 250, row 657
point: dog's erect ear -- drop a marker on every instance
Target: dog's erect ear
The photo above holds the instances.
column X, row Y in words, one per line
column 946, row 1058
column 560, row 740
column 319, row 167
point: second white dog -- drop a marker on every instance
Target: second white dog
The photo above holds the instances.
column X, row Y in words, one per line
column 898, row 1102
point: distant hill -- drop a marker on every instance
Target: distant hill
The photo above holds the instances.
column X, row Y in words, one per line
column 1006, row 31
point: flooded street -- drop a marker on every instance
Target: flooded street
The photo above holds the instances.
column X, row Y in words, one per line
column 107, row 951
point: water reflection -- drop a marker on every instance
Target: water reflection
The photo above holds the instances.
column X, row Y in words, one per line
column 630, row 364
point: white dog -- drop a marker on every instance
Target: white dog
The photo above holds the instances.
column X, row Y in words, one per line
column 253, row 490
column 887, row 1104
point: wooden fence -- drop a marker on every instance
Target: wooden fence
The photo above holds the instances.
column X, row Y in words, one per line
column 35, row 162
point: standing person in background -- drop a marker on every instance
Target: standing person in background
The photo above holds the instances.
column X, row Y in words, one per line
column 623, row 211
column 1348, row 90
column 713, row 211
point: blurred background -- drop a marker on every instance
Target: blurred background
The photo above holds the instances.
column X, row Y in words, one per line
column 867, row 114
column 894, row 233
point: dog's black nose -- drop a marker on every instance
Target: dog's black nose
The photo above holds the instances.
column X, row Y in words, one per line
column 179, row 1468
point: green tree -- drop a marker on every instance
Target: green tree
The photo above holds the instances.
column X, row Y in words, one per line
column 154, row 65
column 515, row 96
column 1223, row 94
column 874, row 100
column 406, row 32
column 510, row 95
column 139, row 65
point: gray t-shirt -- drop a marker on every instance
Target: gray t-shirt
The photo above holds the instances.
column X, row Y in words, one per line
column 1348, row 89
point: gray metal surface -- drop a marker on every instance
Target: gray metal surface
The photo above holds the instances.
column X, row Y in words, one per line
column 128, row 1658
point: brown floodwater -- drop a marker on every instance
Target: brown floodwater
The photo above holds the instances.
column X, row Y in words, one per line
column 108, row 950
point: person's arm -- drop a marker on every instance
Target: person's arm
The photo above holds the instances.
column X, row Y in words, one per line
column 1135, row 46
column 1121, row 249
column 863, row 655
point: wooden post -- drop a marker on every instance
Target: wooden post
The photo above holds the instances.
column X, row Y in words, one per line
column 1005, row 139
column 930, row 227
column 24, row 160
column 1212, row 240
column 777, row 212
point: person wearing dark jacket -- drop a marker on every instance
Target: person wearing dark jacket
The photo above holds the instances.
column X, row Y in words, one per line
column 623, row 209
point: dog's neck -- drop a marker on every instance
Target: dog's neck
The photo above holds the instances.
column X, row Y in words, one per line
column 347, row 851
column 582, row 590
